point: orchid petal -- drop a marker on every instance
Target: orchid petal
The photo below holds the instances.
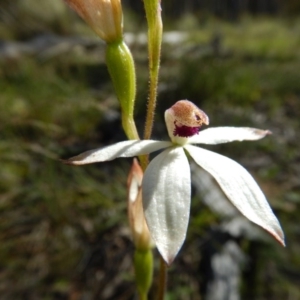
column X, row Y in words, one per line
column 121, row 149
column 166, row 199
column 220, row 135
column 240, row 188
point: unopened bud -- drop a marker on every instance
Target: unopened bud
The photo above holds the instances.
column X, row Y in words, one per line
column 104, row 17
column 138, row 226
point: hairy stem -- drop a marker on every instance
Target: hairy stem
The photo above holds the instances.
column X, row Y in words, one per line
column 155, row 27
column 162, row 283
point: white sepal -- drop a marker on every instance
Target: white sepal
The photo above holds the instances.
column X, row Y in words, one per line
column 220, row 135
column 240, row 188
column 121, row 149
column 166, row 200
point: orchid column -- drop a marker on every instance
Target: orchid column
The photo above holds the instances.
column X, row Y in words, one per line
column 105, row 17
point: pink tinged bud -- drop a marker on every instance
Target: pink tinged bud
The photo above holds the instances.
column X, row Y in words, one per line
column 104, row 17
column 138, row 226
column 183, row 120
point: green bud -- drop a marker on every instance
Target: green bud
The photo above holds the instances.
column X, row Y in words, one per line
column 121, row 68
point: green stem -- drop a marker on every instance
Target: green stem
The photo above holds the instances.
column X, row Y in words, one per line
column 155, row 27
column 143, row 264
column 129, row 127
column 162, row 284
column 143, row 296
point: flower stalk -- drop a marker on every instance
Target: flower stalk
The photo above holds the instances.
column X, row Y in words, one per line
column 162, row 283
column 143, row 266
column 155, row 29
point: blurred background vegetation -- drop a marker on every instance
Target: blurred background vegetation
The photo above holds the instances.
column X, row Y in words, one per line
column 63, row 230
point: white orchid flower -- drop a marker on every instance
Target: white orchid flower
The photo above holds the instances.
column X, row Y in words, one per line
column 167, row 180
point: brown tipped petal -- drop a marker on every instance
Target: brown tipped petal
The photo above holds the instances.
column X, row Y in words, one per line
column 240, row 188
column 121, row 149
column 220, row 135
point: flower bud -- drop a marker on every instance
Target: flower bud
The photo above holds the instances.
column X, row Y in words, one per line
column 138, row 226
column 183, row 120
column 104, row 17
column 121, row 68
